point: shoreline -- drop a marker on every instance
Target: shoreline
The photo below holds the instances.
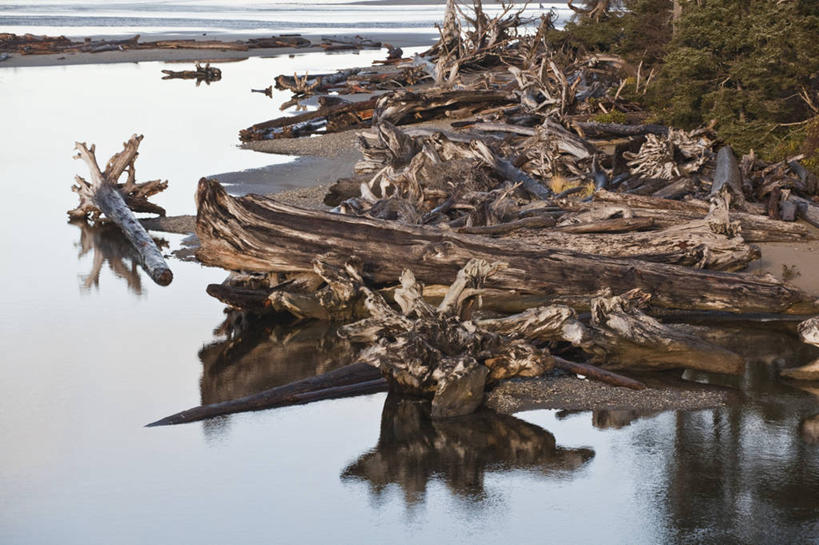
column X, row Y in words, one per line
column 16, row 60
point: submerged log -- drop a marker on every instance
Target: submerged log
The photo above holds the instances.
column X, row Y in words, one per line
column 351, row 380
column 103, row 195
column 255, row 233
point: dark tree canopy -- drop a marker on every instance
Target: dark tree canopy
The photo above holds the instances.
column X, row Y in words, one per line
column 750, row 65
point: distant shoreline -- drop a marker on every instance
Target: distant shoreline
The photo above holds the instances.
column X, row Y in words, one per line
column 397, row 39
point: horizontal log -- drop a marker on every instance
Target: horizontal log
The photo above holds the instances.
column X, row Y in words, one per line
column 282, row 127
column 614, row 225
column 755, row 227
column 255, row 233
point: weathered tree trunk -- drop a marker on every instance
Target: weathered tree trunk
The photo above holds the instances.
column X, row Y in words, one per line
column 103, row 195
column 259, row 234
column 620, row 336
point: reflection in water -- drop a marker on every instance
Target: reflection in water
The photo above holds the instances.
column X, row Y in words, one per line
column 749, row 473
column 258, row 354
column 605, row 419
column 413, row 449
column 110, row 245
column 610, row 419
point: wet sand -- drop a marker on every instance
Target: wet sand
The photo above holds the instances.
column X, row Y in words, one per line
column 568, row 393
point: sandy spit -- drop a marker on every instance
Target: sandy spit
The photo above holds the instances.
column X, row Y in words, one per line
column 191, row 55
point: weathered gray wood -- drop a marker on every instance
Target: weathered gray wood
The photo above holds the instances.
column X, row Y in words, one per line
column 727, row 173
column 259, row 234
column 509, row 171
column 809, row 331
column 102, row 193
column 666, row 212
column 807, row 210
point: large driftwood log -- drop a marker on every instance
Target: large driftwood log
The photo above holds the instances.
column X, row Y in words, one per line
column 620, row 336
column 103, row 195
column 700, row 243
column 254, row 233
column 667, row 212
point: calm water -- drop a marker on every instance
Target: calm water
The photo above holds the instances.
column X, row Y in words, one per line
column 88, row 360
column 73, row 18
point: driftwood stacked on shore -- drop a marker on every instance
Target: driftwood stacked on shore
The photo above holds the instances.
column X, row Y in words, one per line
column 29, row 44
column 523, row 235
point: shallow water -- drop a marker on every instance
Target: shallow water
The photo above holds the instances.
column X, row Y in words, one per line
column 88, row 360
column 95, row 17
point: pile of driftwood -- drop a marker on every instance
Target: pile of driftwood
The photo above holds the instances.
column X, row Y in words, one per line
column 524, row 235
column 29, row 44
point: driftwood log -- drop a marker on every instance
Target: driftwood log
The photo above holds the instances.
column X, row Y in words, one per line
column 259, row 234
column 29, row 44
column 103, row 195
column 205, row 73
column 351, row 380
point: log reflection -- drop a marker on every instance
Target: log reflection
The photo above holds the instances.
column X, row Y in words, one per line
column 110, row 246
column 413, row 450
column 757, row 459
column 259, row 354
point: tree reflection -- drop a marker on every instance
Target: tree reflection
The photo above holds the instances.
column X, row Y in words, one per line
column 259, row 354
column 749, row 473
column 413, row 450
column 110, row 246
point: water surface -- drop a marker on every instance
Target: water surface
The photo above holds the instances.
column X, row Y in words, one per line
column 92, row 351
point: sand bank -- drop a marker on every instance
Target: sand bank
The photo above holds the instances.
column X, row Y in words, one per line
column 398, row 39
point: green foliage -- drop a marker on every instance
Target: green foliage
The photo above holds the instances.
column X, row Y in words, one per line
column 741, row 63
column 614, row 116
column 638, row 30
column 801, row 140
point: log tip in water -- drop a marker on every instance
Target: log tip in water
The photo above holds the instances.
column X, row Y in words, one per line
column 162, row 277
